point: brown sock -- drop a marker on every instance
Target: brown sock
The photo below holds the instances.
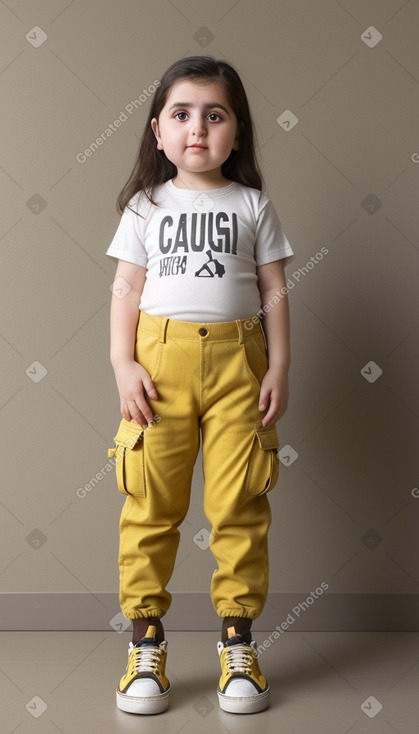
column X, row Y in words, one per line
column 141, row 625
column 241, row 625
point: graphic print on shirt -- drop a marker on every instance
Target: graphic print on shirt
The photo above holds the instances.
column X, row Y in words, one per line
column 207, row 271
column 194, row 234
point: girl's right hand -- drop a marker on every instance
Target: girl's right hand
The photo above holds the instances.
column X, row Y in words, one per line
column 133, row 383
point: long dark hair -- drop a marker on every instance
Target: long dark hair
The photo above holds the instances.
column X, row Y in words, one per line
column 152, row 167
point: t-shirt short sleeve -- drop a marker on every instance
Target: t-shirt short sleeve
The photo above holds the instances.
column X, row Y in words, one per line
column 271, row 242
column 128, row 242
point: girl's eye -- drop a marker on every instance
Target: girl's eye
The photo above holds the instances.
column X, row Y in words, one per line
column 214, row 117
column 181, row 116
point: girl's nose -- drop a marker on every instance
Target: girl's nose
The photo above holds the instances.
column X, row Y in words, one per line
column 198, row 127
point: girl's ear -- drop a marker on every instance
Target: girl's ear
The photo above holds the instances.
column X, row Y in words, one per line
column 156, row 131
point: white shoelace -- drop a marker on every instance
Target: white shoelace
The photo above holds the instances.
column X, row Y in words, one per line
column 239, row 659
column 147, row 659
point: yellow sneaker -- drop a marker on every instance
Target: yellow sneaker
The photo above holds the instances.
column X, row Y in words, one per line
column 144, row 689
column 242, row 689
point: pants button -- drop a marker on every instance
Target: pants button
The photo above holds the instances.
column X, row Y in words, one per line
column 202, row 332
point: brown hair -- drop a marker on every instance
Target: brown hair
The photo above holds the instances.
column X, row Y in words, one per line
column 152, row 167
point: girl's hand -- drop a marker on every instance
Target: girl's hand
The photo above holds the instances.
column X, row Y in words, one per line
column 133, row 383
column 274, row 395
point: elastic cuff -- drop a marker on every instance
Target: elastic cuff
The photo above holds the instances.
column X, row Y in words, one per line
column 143, row 613
column 248, row 613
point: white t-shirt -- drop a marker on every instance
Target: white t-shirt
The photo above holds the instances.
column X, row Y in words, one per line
column 201, row 249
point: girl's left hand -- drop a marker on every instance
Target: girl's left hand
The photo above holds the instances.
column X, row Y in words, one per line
column 273, row 395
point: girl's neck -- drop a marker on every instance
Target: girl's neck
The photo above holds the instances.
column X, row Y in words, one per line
column 198, row 182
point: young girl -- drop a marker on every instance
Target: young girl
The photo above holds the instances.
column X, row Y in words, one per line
column 201, row 260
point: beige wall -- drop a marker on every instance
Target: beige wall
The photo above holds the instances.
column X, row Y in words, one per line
column 344, row 178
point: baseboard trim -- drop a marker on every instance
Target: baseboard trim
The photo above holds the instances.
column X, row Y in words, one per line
column 194, row 611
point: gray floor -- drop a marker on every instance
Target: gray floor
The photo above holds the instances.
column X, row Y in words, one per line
column 321, row 682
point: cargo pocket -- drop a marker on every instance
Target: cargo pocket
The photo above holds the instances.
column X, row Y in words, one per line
column 263, row 465
column 129, row 458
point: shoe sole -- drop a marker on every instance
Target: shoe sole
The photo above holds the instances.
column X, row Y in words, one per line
column 244, row 704
column 146, row 705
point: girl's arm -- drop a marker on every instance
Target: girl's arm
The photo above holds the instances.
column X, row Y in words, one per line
column 131, row 378
column 273, row 399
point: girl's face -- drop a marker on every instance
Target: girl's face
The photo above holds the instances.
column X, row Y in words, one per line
column 197, row 130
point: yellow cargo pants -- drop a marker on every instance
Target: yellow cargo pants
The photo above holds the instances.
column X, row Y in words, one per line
column 207, row 377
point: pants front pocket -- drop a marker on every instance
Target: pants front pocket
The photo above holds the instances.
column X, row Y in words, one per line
column 148, row 351
column 263, row 466
column 129, row 458
column 255, row 357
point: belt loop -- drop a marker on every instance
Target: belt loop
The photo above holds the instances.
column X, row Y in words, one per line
column 240, row 330
column 163, row 328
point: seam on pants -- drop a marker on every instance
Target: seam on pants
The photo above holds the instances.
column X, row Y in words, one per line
column 122, row 542
column 201, row 375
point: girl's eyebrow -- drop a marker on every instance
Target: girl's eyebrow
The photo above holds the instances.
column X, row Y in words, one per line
column 206, row 106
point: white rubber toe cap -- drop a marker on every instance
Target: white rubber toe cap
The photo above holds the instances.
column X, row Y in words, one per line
column 143, row 687
column 240, row 687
